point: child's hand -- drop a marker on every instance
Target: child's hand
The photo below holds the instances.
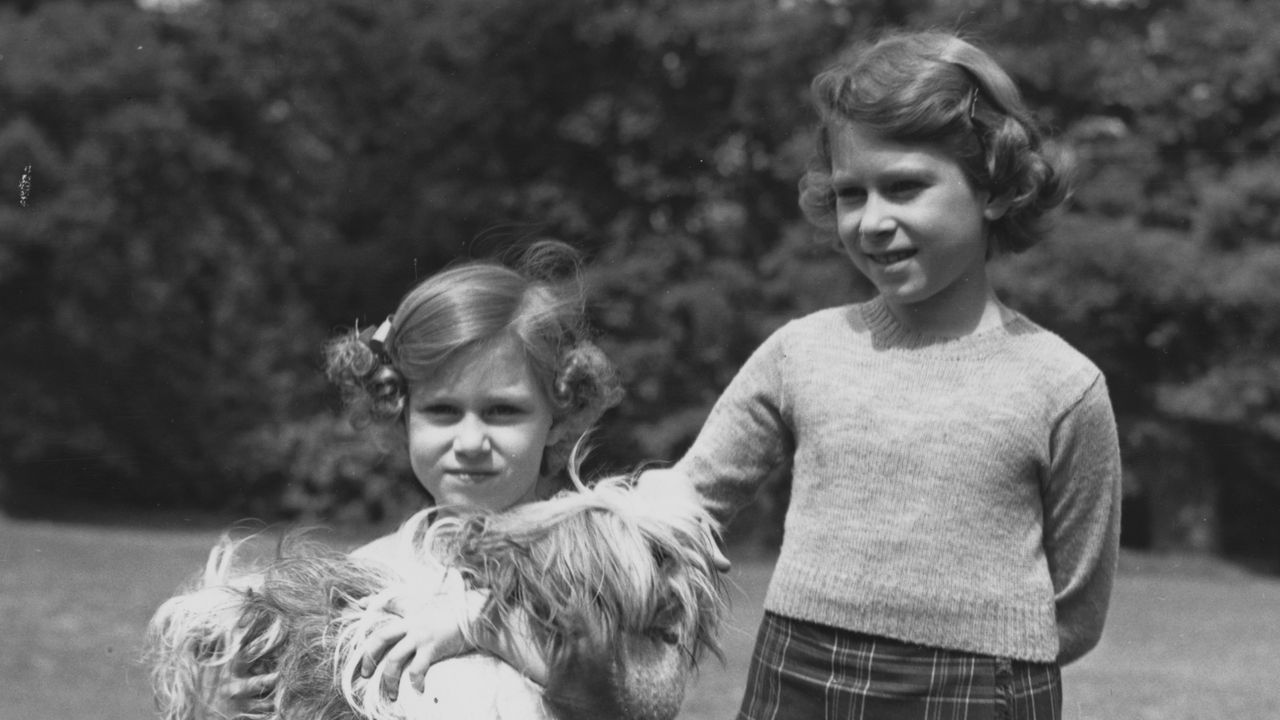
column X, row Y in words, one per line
column 671, row 483
column 244, row 694
column 418, row 637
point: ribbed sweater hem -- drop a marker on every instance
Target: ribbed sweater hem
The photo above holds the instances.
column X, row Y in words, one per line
column 999, row 627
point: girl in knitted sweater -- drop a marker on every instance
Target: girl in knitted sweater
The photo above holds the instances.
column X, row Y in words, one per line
column 955, row 504
column 954, row 519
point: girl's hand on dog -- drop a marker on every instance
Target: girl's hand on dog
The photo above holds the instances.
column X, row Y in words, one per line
column 671, row 484
column 419, row 637
column 245, row 694
column 415, row 639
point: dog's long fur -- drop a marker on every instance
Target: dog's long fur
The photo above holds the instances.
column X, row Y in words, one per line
column 616, row 588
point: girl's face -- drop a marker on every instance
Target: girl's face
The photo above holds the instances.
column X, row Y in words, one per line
column 911, row 222
column 477, row 431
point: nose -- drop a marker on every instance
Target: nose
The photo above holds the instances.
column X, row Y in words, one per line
column 876, row 222
column 471, row 438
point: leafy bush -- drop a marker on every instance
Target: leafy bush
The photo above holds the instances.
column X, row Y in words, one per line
column 321, row 468
column 216, row 190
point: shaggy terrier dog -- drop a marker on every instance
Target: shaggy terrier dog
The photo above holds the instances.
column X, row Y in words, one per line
column 615, row 587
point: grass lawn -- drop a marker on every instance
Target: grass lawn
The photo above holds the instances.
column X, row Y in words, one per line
column 1188, row 639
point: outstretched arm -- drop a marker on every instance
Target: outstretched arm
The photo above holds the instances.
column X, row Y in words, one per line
column 747, row 434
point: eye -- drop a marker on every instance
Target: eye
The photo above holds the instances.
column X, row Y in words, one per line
column 850, row 194
column 904, row 189
column 504, row 411
column 664, row 625
column 440, row 412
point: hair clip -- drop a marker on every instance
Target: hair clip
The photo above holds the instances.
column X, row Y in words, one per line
column 973, row 102
column 378, row 342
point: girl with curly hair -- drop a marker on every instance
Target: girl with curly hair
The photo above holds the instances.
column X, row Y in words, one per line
column 491, row 372
column 953, row 526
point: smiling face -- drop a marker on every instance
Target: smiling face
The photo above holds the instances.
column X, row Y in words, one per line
column 478, row 429
column 913, row 224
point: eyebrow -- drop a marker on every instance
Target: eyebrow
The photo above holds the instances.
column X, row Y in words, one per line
column 515, row 390
column 504, row 394
column 900, row 170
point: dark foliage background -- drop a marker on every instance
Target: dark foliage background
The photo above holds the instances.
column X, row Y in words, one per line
column 214, row 191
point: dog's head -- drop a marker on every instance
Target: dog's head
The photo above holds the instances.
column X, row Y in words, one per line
column 617, row 588
column 609, row 579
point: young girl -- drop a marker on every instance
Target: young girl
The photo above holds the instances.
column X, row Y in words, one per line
column 490, row 371
column 954, row 519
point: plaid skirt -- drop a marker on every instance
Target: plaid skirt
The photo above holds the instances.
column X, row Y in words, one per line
column 805, row 670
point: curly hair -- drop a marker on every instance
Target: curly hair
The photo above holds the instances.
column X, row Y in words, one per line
column 939, row 89
column 537, row 297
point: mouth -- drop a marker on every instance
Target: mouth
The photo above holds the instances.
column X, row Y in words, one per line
column 471, row 476
column 889, row 258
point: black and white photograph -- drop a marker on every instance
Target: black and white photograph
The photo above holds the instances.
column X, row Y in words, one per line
column 640, row 359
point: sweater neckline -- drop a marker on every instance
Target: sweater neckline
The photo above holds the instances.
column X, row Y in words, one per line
column 889, row 334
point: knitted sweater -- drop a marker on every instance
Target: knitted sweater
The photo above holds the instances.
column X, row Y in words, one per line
column 956, row 493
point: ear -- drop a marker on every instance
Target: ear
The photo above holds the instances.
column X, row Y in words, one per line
column 558, row 431
column 997, row 206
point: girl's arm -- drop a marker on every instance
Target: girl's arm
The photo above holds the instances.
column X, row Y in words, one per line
column 422, row 636
column 747, row 434
column 1082, row 519
column 645, row 676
